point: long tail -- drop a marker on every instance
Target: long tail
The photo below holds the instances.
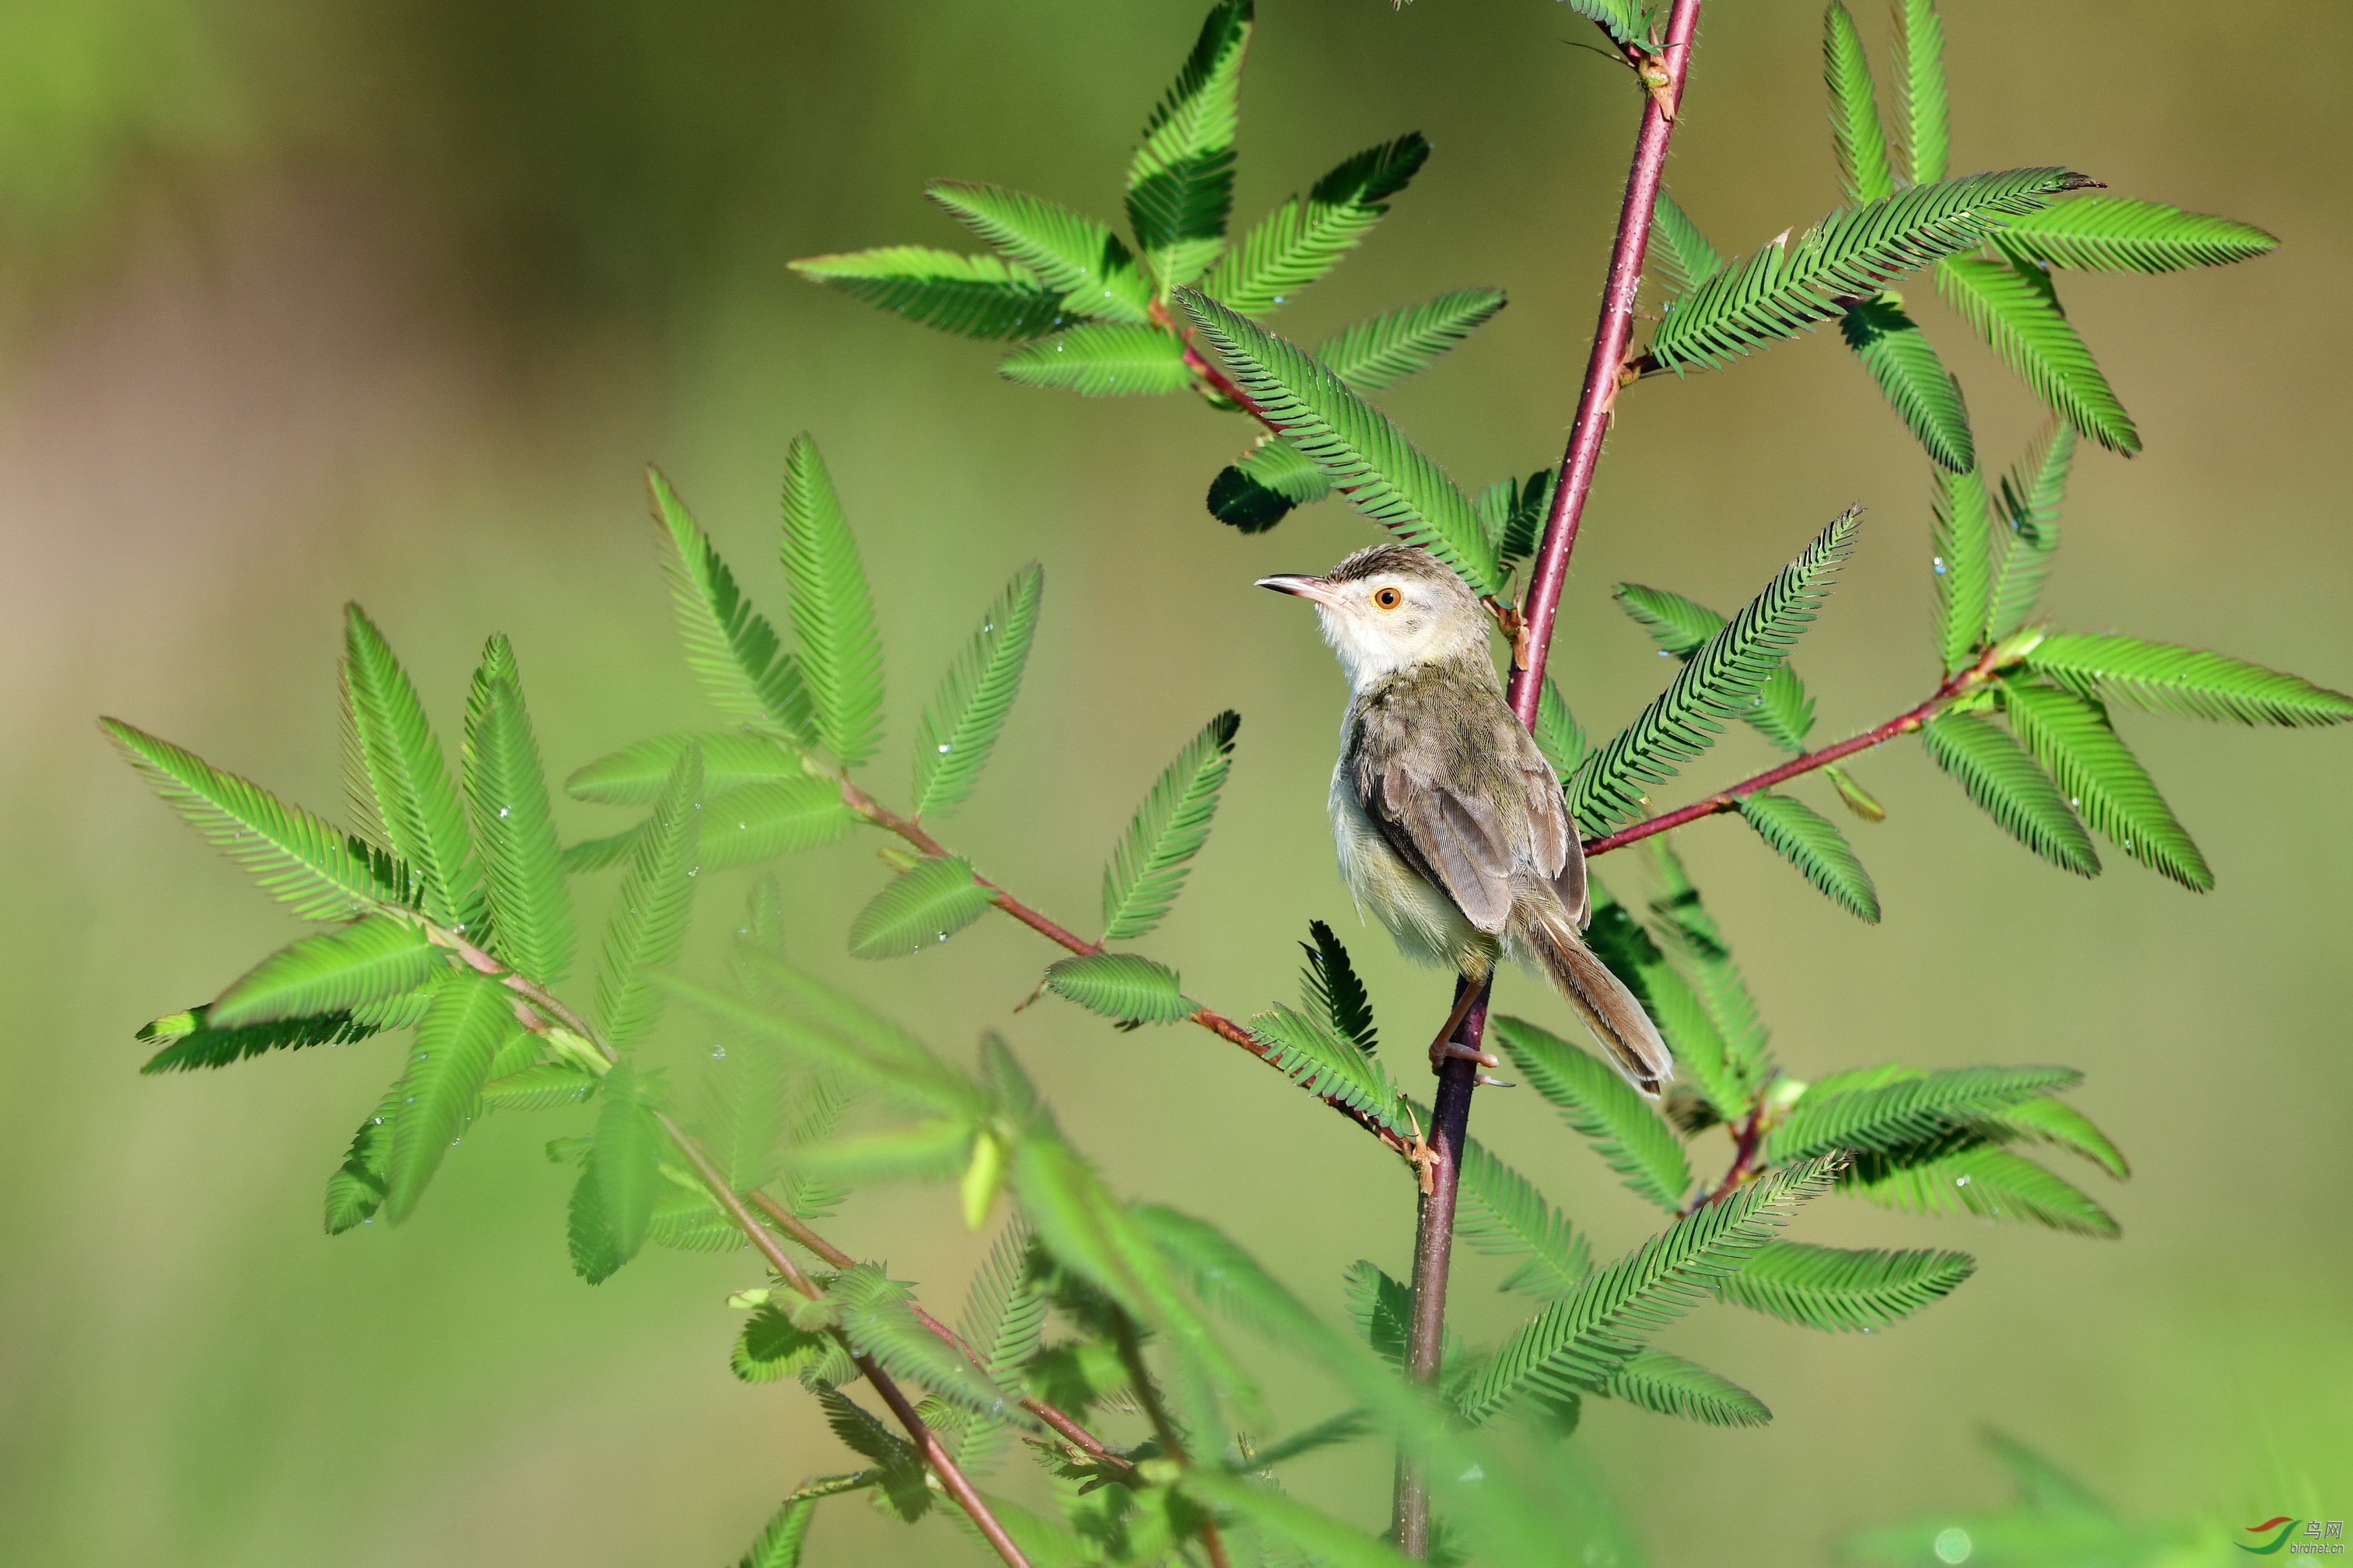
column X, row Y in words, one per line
column 1545, row 934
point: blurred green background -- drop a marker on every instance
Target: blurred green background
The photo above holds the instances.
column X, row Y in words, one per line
column 307, row 303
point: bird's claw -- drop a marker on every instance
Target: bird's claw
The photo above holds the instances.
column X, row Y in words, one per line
column 1443, row 1051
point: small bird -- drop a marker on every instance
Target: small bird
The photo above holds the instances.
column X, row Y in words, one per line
column 1452, row 826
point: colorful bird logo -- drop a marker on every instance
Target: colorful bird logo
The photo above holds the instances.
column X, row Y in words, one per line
column 2284, row 1525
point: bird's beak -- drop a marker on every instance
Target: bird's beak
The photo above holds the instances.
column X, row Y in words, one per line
column 1315, row 588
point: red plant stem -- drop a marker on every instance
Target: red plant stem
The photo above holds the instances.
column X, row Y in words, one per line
column 936, row 1454
column 792, row 1224
column 1729, row 799
column 1218, row 1023
column 1604, row 368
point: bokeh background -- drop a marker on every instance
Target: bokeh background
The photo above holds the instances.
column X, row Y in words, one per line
column 300, row 303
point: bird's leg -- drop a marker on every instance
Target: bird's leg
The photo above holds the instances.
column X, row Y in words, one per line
column 1446, row 1046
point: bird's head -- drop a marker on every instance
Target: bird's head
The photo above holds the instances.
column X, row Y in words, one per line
column 1391, row 608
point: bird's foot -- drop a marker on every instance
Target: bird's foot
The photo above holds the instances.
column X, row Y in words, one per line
column 1421, row 1157
column 1444, row 1049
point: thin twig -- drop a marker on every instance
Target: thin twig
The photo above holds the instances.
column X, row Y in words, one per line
column 1131, row 1353
column 1613, row 334
column 792, row 1226
column 952, row 1479
column 1954, row 685
column 1216, row 1023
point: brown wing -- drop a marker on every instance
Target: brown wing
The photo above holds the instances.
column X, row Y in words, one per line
column 1453, row 838
column 1559, row 857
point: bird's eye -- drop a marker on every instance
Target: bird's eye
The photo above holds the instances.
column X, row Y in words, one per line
column 1388, row 598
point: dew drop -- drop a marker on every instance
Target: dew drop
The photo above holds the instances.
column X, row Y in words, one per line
column 1953, row 1545
column 502, row 810
column 2075, row 801
column 946, row 746
column 1938, row 561
column 719, row 1053
column 944, row 936
column 1960, row 1180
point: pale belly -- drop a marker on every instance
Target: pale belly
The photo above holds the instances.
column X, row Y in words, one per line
column 1429, row 929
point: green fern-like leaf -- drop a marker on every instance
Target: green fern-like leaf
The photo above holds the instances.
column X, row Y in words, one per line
column 472, row 1016
column 729, row 646
column 1836, row 1290
column 2118, row 234
column 1123, row 986
column 1071, row 255
column 543, row 1087
column 2005, row 783
column 1307, row 237
column 1367, row 459
column 2015, row 309
column 1962, row 1176
column 1004, row 1320
column 2029, row 502
column 1513, row 515
column 1914, row 382
column 1600, row 1104
column 1783, row 714
column 415, row 803
column 1331, row 989
column 635, row 774
column 779, row 1542
column 2171, row 679
column 1784, row 288
column 1382, row 351
column 299, row 859
column 1254, row 494
column 1924, row 103
column 1627, row 21
column 1687, row 928
column 1812, row 843
column 1558, row 735
column 1964, row 566
column 834, row 1034
column 967, row 714
column 1670, row 1386
column 1909, row 1111
column 506, row 795
column 340, row 971
column 1579, row 1342
column 1105, row 359
column 920, row 908
column 190, row 1039
column 1503, row 1216
column 1684, row 255
column 1180, row 182
column 759, row 822
column 1147, row 870
column 2072, row 738
column 874, row 1314
column 1855, row 132
column 1104, row 1243
column 833, row 610
column 2060, row 1124
column 972, row 296
column 772, row 1347
column 1723, row 679
column 1310, row 1053
column 625, row 1165
column 900, row 1465
column 355, row 1191
column 657, row 898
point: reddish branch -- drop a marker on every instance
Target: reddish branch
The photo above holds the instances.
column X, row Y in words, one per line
column 1730, row 799
column 1218, row 1023
column 1662, row 72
